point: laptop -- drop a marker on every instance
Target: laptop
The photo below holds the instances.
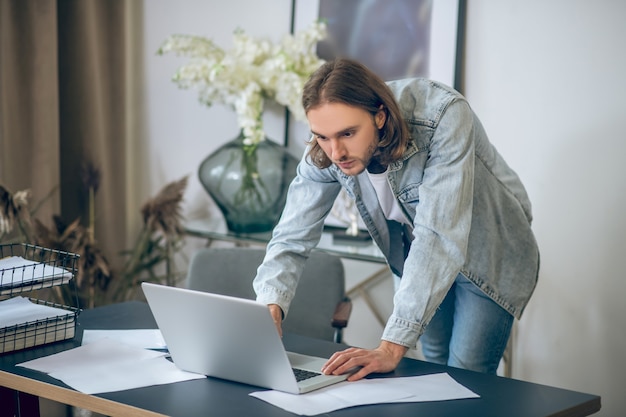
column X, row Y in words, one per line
column 231, row 338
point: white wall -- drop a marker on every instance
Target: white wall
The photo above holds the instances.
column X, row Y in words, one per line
column 547, row 80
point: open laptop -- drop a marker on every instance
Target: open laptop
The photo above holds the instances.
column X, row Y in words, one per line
column 230, row 338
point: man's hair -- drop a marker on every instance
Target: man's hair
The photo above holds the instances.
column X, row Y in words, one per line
column 349, row 82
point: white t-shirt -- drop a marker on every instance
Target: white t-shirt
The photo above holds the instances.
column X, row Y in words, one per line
column 390, row 206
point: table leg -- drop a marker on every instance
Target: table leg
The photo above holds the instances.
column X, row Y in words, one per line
column 8, row 399
column 28, row 405
column 17, row 404
column 362, row 288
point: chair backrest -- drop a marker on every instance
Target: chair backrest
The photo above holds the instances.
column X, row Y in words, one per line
column 230, row 271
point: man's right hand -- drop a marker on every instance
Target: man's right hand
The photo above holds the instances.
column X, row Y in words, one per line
column 277, row 316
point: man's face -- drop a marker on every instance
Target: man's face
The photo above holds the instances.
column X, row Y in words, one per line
column 348, row 135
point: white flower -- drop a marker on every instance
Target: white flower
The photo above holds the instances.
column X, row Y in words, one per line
column 252, row 71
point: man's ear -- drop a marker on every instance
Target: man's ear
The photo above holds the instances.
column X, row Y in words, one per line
column 380, row 117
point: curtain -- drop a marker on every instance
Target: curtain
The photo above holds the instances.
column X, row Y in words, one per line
column 66, row 97
column 29, row 100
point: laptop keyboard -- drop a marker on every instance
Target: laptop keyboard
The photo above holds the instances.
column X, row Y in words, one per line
column 301, row 374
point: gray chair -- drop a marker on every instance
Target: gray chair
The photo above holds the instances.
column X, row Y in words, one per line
column 320, row 308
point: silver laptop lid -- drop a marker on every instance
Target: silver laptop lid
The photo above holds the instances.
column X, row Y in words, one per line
column 220, row 336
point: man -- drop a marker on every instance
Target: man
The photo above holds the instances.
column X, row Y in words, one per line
column 452, row 219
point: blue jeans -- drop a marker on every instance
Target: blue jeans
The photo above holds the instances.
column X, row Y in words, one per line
column 469, row 330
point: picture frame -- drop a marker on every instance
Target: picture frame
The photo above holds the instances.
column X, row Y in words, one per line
column 394, row 38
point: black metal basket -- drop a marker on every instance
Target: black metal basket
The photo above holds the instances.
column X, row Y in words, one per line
column 27, row 322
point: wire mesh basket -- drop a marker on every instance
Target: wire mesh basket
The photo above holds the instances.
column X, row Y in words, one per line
column 25, row 267
column 25, row 321
column 59, row 324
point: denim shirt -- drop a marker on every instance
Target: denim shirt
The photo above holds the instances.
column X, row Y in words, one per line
column 470, row 212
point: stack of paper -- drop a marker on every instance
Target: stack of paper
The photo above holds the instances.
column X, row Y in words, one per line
column 19, row 273
column 24, row 324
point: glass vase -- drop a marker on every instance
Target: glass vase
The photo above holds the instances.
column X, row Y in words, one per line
column 249, row 183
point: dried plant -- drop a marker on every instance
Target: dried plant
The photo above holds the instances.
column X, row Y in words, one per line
column 19, row 225
column 93, row 273
column 15, row 214
column 151, row 258
column 157, row 243
column 162, row 214
column 90, row 175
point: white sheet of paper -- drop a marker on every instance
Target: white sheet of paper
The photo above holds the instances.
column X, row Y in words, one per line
column 19, row 310
column 434, row 387
column 17, row 270
column 142, row 338
column 107, row 365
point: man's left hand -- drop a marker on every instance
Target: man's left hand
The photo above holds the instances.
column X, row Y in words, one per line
column 384, row 358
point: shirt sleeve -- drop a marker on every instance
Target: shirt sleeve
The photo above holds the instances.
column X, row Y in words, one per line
column 309, row 200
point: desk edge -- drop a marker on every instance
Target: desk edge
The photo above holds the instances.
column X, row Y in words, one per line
column 72, row 397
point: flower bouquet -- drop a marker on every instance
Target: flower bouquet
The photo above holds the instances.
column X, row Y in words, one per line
column 237, row 176
column 255, row 69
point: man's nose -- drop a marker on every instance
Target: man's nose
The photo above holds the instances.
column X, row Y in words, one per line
column 337, row 149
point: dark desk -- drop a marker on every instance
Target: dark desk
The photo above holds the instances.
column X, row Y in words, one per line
column 499, row 396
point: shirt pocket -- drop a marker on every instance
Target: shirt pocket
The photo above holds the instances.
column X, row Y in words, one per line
column 409, row 197
column 421, row 132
